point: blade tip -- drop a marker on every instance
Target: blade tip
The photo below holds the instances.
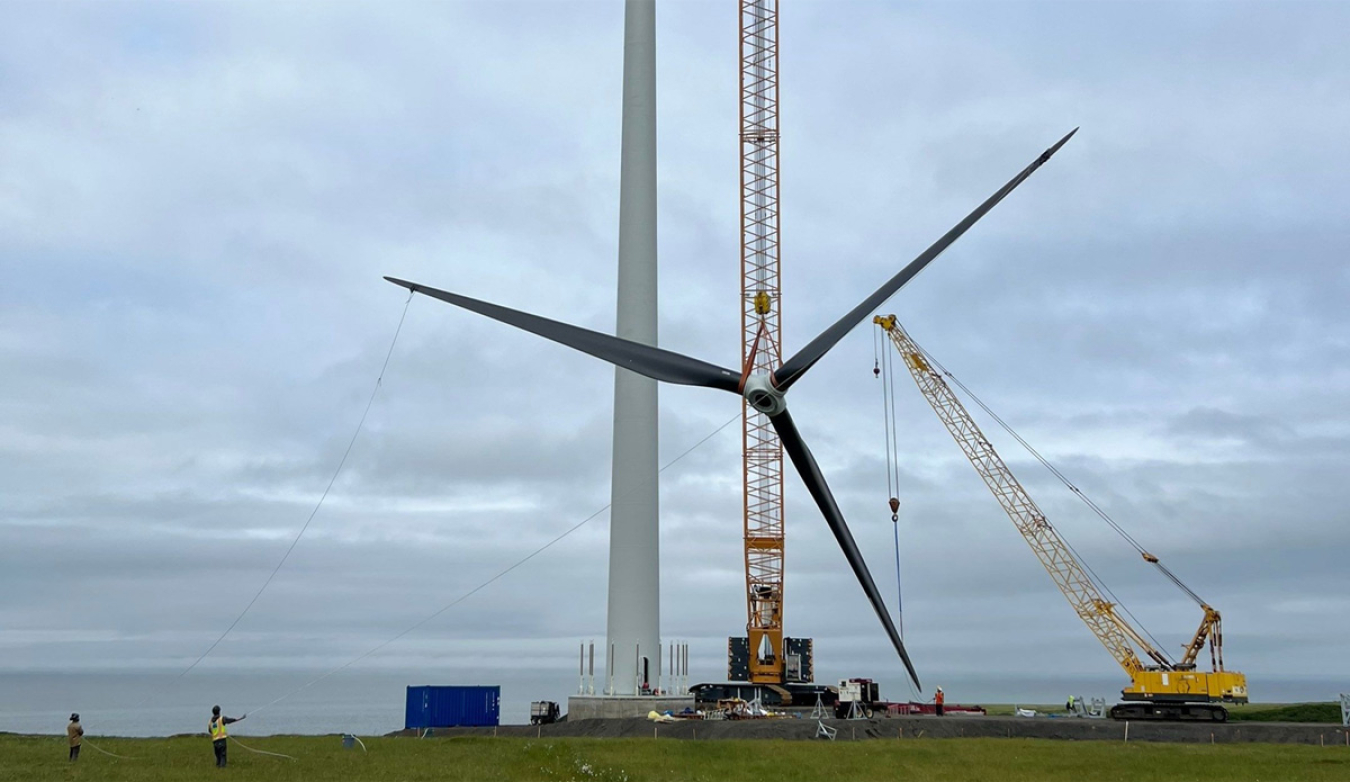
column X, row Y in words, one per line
column 1052, row 150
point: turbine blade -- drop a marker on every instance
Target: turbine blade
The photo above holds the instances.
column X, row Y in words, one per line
column 815, row 483
column 653, row 362
column 792, row 370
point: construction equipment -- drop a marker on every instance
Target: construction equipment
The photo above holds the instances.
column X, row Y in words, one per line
column 761, row 328
column 544, row 712
column 857, row 699
column 1163, row 689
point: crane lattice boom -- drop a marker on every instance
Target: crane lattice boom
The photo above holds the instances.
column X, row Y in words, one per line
column 1086, row 599
column 761, row 330
column 1172, row 690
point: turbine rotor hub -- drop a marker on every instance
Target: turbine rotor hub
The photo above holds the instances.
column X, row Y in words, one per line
column 762, row 396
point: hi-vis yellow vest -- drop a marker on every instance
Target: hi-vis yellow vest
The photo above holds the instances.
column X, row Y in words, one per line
column 217, row 726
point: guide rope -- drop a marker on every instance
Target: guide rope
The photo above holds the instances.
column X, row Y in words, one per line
column 490, row 581
column 242, row 745
column 97, row 748
column 379, row 381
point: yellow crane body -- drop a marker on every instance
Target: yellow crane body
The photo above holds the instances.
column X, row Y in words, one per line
column 1187, row 686
column 1159, row 688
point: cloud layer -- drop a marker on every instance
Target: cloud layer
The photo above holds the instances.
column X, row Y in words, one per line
column 197, row 203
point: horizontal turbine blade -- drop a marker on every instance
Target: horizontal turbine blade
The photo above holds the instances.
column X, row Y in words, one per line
column 792, row 370
column 658, row 364
column 815, row 483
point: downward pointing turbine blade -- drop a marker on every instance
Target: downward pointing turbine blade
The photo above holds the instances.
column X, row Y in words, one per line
column 655, row 363
column 815, row 483
column 792, row 369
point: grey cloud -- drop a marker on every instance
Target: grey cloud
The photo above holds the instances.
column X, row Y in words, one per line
column 198, row 203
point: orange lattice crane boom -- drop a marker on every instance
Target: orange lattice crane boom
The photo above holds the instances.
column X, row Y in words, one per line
column 762, row 453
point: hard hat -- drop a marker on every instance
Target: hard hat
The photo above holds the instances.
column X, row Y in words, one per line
column 74, row 717
column 939, row 689
column 215, row 709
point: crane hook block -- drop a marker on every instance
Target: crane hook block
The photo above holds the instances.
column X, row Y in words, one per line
column 1149, row 557
column 763, row 304
column 895, row 507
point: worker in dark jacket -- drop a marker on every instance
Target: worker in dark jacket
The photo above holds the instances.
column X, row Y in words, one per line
column 219, row 737
column 75, row 734
column 938, row 700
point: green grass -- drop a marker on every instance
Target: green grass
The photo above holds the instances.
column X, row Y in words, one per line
column 640, row 760
column 1256, row 712
column 1287, row 712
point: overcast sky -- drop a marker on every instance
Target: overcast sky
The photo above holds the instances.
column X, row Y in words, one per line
column 198, row 201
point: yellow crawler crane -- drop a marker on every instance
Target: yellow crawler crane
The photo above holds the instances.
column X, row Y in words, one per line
column 1164, row 689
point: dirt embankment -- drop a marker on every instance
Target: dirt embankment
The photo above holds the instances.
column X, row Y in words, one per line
column 899, row 728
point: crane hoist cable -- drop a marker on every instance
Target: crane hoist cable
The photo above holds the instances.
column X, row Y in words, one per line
column 1125, row 535
column 882, row 357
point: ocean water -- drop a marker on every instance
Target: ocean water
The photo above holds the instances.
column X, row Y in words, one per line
column 369, row 704
column 112, row 704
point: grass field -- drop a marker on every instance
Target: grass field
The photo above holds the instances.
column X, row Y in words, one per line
column 638, row 760
column 1326, row 712
column 1288, row 712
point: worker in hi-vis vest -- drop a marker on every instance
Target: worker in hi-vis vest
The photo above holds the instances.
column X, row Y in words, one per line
column 938, row 700
column 219, row 738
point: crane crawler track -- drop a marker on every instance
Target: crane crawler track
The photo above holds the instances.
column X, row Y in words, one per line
column 1170, row 712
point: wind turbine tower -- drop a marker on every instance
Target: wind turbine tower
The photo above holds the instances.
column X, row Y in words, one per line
column 633, row 626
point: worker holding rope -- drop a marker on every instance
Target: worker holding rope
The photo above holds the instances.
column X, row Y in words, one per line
column 219, row 737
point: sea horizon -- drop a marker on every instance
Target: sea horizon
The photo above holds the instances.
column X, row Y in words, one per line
column 150, row 704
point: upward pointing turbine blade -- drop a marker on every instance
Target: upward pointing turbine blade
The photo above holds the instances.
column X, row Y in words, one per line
column 643, row 359
column 815, row 483
column 792, row 370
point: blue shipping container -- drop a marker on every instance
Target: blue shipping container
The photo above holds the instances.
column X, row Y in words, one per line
column 432, row 706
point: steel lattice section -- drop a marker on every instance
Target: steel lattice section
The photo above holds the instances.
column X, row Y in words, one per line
column 760, row 323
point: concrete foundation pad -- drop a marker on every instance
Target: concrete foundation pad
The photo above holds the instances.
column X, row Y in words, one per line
column 613, row 707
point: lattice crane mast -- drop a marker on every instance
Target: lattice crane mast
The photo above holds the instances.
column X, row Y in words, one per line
column 762, row 453
column 1161, row 689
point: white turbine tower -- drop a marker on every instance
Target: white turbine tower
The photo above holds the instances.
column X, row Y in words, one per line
column 634, row 638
